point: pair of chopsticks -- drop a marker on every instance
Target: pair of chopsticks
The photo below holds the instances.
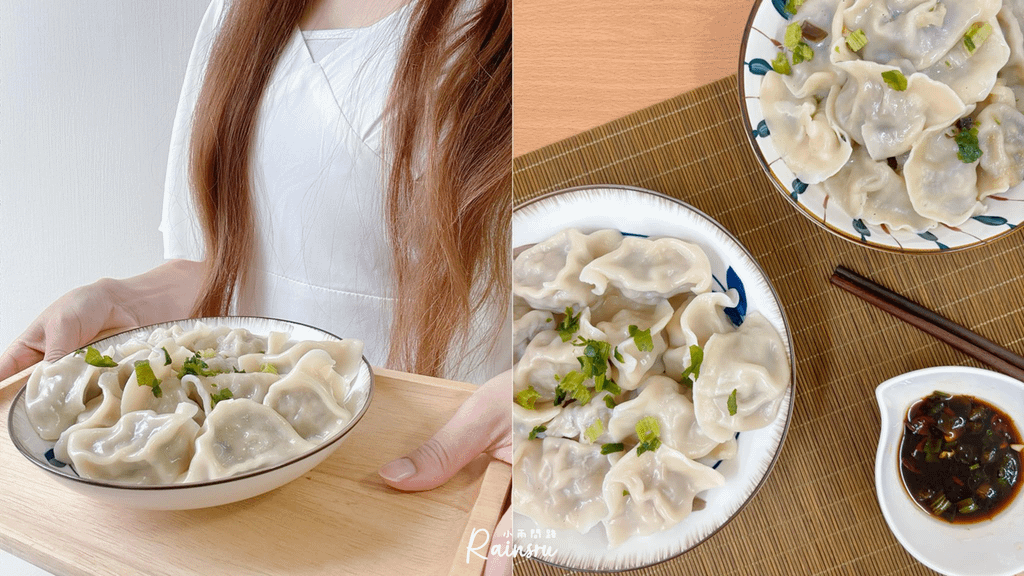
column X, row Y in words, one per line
column 964, row 340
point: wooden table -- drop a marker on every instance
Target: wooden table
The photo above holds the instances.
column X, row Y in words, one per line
column 580, row 64
column 339, row 518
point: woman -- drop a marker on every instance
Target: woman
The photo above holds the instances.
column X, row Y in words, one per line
column 356, row 178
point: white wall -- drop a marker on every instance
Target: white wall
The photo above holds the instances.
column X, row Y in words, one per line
column 87, row 96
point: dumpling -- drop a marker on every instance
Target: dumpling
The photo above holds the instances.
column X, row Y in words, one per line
column 547, row 275
column 574, row 420
column 816, row 76
column 648, row 270
column 57, row 393
column 631, row 364
column 347, row 355
column 872, row 191
column 141, row 448
column 1001, row 139
column 814, row 148
column 545, row 361
column 557, row 482
column 751, row 363
column 526, row 327
column 886, row 121
column 305, row 402
column 703, row 316
column 652, row 492
column 920, row 31
column 940, row 186
column 241, row 435
column 100, row 412
column 661, row 398
column 525, row 421
column 972, row 76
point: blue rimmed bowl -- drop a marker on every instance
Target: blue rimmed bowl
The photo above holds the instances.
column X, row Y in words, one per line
column 767, row 20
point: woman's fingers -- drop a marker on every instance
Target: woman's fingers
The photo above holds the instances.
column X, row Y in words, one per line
column 482, row 424
column 16, row 358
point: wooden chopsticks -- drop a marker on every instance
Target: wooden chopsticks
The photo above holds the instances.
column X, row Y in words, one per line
column 912, row 313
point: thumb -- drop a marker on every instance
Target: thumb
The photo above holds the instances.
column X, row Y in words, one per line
column 435, row 461
column 482, row 424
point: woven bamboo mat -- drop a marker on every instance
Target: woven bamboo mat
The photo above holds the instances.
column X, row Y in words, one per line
column 817, row 513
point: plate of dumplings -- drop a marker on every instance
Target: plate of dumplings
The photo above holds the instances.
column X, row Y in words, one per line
column 193, row 413
column 653, row 378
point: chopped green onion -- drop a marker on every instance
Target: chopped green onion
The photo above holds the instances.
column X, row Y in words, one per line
column 223, row 394
column 648, row 446
column 802, row 53
column 527, row 398
column 792, row 6
column 208, row 353
column 696, row 359
column 167, row 357
column 569, row 325
column 594, row 431
column 537, row 430
column 976, row 36
column 895, row 79
column 612, row 448
column 857, row 40
column 625, row 492
column 975, row 466
column 731, row 403
column 94, row 358
column 648, row 429
column 794, row 34
column 572, row 384
column 966, row 506
column 268, row 368
column 940, row 504
column 642, row 338
column 196, row 366
column 968, row 148
column 942, row 395
column 781, row 64
column 609, row 402
column 618, row 355
column 145, row 377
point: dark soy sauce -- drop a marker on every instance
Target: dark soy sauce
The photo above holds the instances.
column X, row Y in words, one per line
column 959, row 457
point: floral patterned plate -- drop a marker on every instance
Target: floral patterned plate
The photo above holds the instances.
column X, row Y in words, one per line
column 767, row 20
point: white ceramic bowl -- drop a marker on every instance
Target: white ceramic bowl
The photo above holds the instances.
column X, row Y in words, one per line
column 642, row 212
column 988, row 548
column 767, row 20
column 196, row 494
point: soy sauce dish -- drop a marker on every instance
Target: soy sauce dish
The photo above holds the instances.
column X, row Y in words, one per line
column 947, row 468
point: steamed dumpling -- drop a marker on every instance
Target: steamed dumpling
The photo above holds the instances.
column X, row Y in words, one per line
column 814, row 147
column 648, row 270
column 751, row 362
column 557, row 482
column 547, row 275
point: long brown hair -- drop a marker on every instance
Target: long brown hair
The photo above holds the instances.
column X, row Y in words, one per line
column 448, row 118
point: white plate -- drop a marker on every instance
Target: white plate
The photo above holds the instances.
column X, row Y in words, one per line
column 988, row 548
column 642, row 212
column 767, row 20
column 195, row 494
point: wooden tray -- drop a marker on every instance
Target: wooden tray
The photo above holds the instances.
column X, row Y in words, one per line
column 340, row 518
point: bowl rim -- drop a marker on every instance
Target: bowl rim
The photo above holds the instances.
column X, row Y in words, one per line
column 891, row 436
column 779, row 187
column 792, row 359
column 105, row 484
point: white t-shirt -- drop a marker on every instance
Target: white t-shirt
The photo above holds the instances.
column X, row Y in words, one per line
column 322, row 257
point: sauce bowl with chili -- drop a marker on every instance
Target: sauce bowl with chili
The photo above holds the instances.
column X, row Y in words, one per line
column 946, row 470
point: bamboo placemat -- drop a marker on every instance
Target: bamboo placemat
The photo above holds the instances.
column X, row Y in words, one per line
column 817, row 513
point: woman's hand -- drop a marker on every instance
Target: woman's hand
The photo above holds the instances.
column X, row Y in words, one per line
column 165, row 293
column 483, row 424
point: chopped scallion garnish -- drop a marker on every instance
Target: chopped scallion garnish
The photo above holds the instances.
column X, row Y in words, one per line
column 594, row 431
column 94, row 358
column 612, row 448
column 537, row 430
column 731, row 403
column 857, row 40
column 527, row 398
column 145, row 377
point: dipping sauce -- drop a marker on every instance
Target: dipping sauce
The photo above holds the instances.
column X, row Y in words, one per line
column 960, row 458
